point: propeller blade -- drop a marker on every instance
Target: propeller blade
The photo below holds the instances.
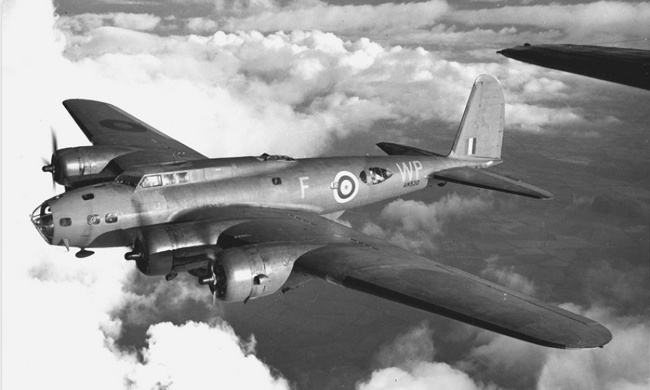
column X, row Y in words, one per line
column 49, row 165
column 55, row 143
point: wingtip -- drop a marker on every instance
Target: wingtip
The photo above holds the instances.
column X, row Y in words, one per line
column 597, row 337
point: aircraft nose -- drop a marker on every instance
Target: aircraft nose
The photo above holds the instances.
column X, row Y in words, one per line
column 44, row 221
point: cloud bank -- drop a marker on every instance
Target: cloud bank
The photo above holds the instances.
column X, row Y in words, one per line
column 415, row 225
column 409, row 364
column 231, row 93
column 409, row 361
column 63, row 318
column 196, row 355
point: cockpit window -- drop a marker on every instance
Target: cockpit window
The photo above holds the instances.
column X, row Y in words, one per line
column 375, row 175
column 154, row 180
column 128, row 180
column 151, row 181
column 168, row 178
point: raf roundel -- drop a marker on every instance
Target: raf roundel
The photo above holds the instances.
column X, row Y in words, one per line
column 345, row 187
column 120, row 125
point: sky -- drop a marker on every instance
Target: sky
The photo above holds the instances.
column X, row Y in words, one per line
column 316, row 78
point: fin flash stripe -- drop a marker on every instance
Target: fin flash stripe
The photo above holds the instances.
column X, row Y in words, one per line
column 471, row 146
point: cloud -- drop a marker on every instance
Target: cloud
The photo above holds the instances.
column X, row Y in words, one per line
column 62, row 317
column 225, row 94
column 201, row 25
column 422, row 376
column 194, row 355
column 408, row 364
column 602, row 21
column 497, row 361
column 535, row 118
column 413, row 346
column 507, row 276
column 621, row 364
column 130, row 21
column 414, row 225
column 318, row 15
column 312, row 84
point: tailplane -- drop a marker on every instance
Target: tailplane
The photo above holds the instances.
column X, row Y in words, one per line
column 480, row 133
column 477, row 145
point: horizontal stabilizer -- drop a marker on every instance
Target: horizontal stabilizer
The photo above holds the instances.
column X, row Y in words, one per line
column 492, row 181
column 403, row 150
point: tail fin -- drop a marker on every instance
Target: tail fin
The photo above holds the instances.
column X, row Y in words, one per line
column 480, row 133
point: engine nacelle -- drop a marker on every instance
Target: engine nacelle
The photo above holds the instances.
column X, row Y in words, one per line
column 171, row 249
column 86, row 163
column 254, row 271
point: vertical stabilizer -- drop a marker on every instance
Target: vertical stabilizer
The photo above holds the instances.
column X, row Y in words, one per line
column 481, row 130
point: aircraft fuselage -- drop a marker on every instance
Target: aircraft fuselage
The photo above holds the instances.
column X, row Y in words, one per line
column 110, row 214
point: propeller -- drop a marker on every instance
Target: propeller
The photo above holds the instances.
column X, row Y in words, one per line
column 211, row 281
column 49, row 166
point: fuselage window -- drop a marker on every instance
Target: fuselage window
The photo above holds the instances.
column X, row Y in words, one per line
column 87, row 196
column 174, row 178
column 65, row 222
column 111, row 218
column 94, row 219
column 375, row 175
column 182, row 178
column 151, row 181
column 276, row 181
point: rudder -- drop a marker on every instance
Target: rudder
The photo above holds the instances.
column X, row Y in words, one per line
column 480, row 133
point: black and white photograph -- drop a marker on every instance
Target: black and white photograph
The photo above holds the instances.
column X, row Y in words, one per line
column 325, row 194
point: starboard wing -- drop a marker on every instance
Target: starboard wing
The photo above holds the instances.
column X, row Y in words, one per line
column 360, row 262
column 105, row 124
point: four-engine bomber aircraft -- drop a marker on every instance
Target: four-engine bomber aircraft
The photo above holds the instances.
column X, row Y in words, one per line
column 250, row 226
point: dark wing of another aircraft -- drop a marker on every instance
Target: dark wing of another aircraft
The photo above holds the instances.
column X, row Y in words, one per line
column 352, row 259
column 105, row 124
column 624, row 66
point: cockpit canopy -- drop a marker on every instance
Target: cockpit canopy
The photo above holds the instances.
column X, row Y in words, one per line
column 153, row 179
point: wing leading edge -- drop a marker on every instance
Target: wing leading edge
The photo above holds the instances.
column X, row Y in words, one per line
column 357, row 261
column 619, row 65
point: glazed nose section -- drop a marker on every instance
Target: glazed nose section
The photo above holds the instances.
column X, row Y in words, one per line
column 44, row 222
